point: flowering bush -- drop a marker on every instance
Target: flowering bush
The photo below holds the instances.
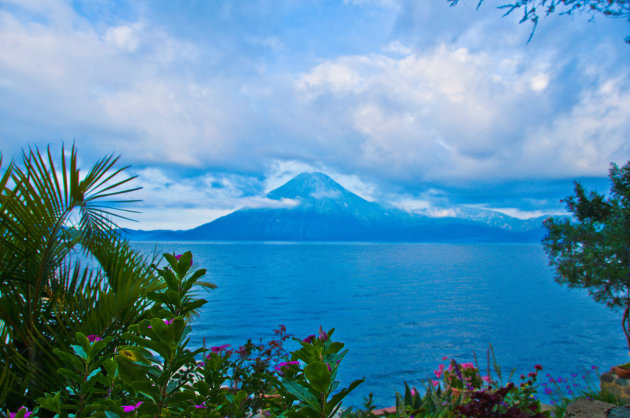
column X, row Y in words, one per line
column 153, row 373
column 463, row 376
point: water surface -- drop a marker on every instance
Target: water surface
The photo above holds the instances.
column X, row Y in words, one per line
column 400, row 308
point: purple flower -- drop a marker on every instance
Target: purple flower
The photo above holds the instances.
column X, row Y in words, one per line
column 129, row 408
column 93, row 338
column 26, row 414
column 284, row 364
column 201, row 406
column 309, row 339
column 219, row 349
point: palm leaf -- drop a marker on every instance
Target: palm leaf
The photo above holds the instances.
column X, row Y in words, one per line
column 47, row 212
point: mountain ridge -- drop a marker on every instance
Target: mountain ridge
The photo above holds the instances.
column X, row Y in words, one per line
column 323, row 210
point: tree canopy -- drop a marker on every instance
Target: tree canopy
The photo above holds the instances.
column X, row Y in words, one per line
column 592, row 250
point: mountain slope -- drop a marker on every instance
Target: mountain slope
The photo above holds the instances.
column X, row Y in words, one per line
column 313, row 207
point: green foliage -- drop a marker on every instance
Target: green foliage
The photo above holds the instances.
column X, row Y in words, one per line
column 49, row 216
column 154, row 371
column 313, row 386
column 435, row 402
column 533, row 9
column 592, row 251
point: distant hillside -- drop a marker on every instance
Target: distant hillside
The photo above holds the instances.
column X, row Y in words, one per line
column 313, row 207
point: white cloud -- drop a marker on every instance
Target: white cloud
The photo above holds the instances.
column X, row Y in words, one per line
column 424, row 207
column 174, row 218
column 450, row 113
column 121, row 87
column 337, row 77
column 124, row 37
column 587, row 137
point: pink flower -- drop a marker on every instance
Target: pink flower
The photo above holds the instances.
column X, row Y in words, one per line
column 219, row 349
column 286, row 363
column 467, row 365
column 166, row 321
column 26, row 414
column 435, row 383
column 439, row 371
column 129, row 408
column 200, row 406
column 486, row 379
column 178, row 256
column 414, row 392
column 444, row 358
column 93, row 338
column 322, row 335
column 309, row 339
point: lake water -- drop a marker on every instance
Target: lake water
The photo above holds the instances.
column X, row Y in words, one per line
column 400, row 308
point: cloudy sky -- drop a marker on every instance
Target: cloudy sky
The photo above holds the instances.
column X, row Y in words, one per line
column 411, row 102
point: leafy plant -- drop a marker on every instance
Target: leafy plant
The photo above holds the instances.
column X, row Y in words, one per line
column 49, row 214
column 313, row 385
column 156, row 364
column 593, row 249
column 84, row 381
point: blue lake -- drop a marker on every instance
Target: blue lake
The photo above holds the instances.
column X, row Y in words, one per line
column 400, row 308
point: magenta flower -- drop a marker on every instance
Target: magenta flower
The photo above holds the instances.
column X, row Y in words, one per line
column 309, row 339
column 284, row 364
column 178, row 256
column 93, row 338
column 322, row 335
column 435, row 383
column 219, row 349
column 486, row 379
column 201, row 406
column 166, row 321
column 538, row 367
column 26, row 414
column 129, row 408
